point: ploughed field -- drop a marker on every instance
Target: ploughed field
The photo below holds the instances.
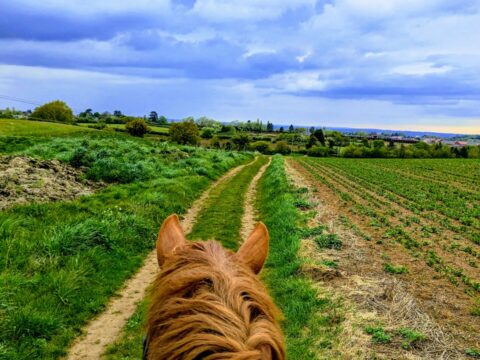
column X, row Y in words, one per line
column 420, row 219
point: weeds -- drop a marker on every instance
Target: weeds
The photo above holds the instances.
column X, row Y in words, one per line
column 392, row 269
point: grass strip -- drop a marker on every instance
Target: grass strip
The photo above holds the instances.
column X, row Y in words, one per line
column 221, row 218
column 311, row 320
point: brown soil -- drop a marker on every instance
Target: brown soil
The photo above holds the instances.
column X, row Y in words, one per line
column 104, row 329
column 415, row 300
column 24, row 180
column 249, row 218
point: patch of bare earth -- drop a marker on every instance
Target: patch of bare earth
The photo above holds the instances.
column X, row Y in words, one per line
column 249, row 218
column 369, row 295
column 105, row 328
column 24, row 180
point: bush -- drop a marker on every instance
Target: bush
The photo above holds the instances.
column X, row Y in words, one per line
column 241, row 141
column 215, row 142
column 281, row 147
column 57, row 111
column 261, row 146
column 318, row 151
column 207, row 133
column 136, row 127
column 184, row 133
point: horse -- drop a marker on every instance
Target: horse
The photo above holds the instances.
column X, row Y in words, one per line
column 207, row 302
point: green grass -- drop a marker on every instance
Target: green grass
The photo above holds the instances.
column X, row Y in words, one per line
column 312, row 321
column 221, row 219
column 61, row 262
column 154, row 129
column 13, row 127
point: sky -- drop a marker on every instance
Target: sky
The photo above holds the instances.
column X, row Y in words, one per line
column 390, row 64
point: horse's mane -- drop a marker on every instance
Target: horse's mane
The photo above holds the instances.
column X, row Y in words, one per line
column 207, row 305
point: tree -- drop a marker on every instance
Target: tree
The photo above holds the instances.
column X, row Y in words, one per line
column 136, row 127
column 56, row 110
column 281, row 147
column 312, row 141
column 281, row 129
column 184, row 132
column 153, row 117
column 291, row 128
column 320, row 136
column 241, row 141
column 162, row 120
column 269, row 126
column 312, row 130
column 117, row 113
column 207, row 133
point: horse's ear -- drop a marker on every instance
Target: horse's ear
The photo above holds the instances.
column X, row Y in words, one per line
column 170, row 237
column 254, row 250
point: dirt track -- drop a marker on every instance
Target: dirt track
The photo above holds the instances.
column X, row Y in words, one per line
column 104, row 329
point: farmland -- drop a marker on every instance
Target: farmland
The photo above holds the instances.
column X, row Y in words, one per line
column 369, row 258
column 418, row 220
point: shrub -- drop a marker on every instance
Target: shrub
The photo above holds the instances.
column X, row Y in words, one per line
column 57, row 111
column 241, row 141
column 261, row 146
column 318, row 151
column 215, row 142
column 136, row 127
column 207, row 133
column 281, row 147
column 184, row 133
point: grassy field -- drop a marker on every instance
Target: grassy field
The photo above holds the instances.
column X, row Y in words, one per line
column 155, row 129
column 60, row 262
column 12, row 127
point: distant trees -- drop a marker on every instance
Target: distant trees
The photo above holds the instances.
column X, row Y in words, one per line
column 153, row 117
column 291, row 128
column 185, row 132
column 269, row 126
column 320, row 136
column 162, row 120
column 136, row 127
column 57, row 111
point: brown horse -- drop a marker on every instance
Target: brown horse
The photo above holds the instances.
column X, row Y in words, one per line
column 207, row 302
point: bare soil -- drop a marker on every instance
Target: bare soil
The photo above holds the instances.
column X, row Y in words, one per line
column 104, row 329
column 249, row 218
column 370, row 296
column 24, row 180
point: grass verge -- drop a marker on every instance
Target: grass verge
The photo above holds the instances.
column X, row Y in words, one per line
column 311, row 321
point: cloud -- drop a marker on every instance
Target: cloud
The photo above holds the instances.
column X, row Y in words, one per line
column 249, row 55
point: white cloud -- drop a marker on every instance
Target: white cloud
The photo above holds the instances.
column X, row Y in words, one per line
column 421, row 69
column 250, row 10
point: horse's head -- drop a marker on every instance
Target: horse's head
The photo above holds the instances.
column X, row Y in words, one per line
column 207, row 301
